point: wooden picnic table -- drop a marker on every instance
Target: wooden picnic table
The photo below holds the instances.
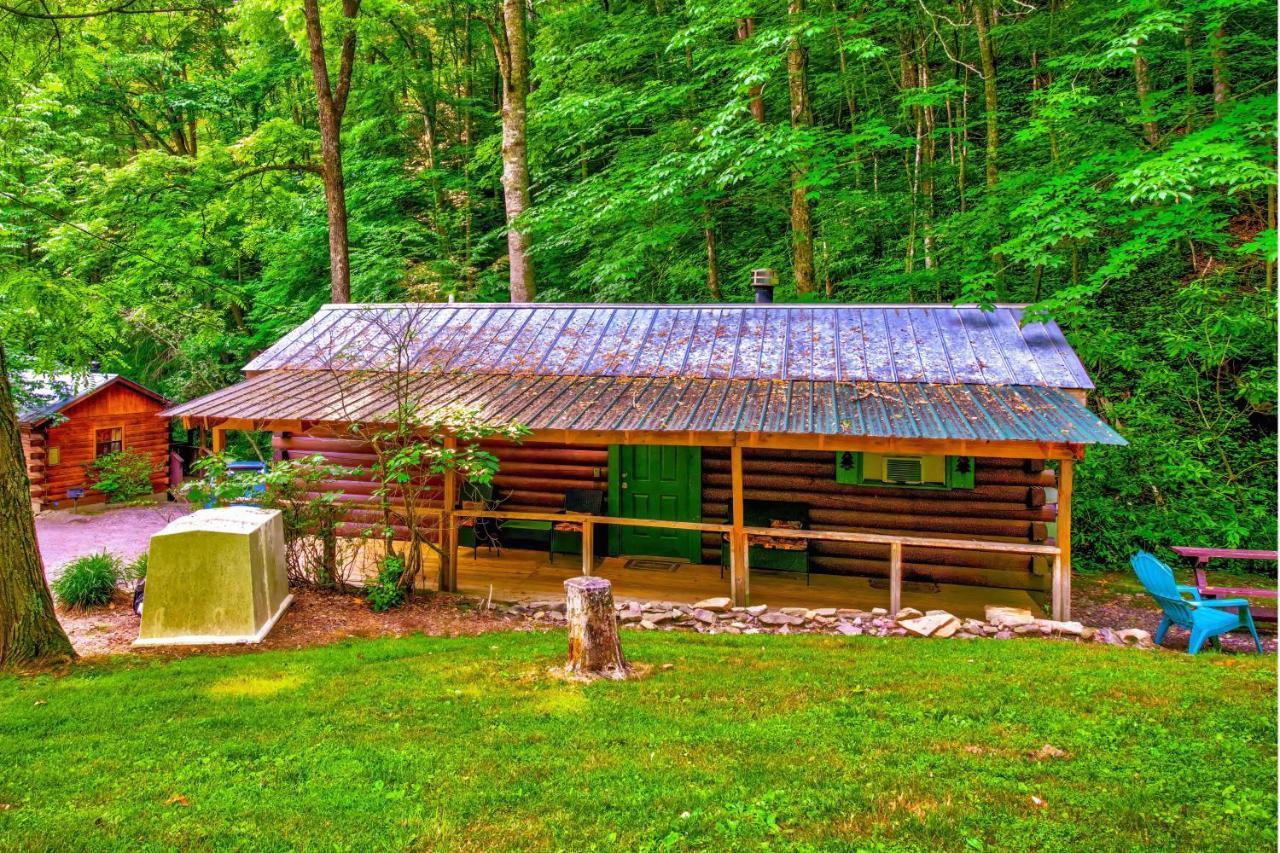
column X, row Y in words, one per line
column 1201, row 558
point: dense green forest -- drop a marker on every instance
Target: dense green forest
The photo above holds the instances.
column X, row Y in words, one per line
column 180, row 181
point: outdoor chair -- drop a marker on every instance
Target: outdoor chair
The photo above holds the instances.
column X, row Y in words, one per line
column 1206, row 619
column 479, row 530
column 586, row 501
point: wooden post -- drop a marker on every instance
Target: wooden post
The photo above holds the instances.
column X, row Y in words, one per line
column 594, row 648
column 448, row 526
column 895, row 578
column 1062, row 586
column 738, row 569
column 588, row 547
column 219, row 439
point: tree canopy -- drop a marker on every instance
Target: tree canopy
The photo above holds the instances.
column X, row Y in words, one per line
column 163, row 187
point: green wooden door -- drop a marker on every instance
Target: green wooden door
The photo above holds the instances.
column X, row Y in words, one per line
column 658, row 482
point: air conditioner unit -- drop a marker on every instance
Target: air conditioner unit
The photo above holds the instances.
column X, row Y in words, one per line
column 913, row 470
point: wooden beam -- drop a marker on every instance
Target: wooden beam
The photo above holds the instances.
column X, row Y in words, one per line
column 449, row 525
column 588, row 546
column 738, row 568
column 1062, row 590
column 895, row 578
column 219, row 439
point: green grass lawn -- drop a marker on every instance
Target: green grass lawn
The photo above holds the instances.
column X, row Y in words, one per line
column 785, row 742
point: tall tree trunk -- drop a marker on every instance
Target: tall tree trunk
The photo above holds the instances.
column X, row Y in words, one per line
column 713, row 255
column 29, row 629
column 982, row 23
column 331, row 104
column 512, row 53
column 746, row 29
column 801, row 117
column 1142, row 79
column 1221, row 86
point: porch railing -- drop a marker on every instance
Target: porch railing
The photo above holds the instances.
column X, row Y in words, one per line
column 739, row 569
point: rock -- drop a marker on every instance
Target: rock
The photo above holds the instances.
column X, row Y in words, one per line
column 706, row 617
column 847, row 613
column 935, row 624
column 1071, row 629
column 729, row 629
column 879, row 611
column 715, row 605
column 1004, row 635
column 780, row 619
column 824, row 611
column 752, row 631
column 848, row 630
column 973, row 626
column 1088, row 633
column 647, row 625
column 1008, row 617
column 659, row 618
column 795, row 611
column 1050, row 751
column 907, row 613
column 630, row 615
column 785, row 629
column 1135, row 637
column 757, row 609
column 1026, row 629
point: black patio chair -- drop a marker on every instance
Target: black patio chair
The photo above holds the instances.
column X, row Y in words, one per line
column 585, row 501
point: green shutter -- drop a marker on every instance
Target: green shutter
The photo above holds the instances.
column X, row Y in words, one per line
column 960, row 472
column 849, row 468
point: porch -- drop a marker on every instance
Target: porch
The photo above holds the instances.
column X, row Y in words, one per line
column 521, row 575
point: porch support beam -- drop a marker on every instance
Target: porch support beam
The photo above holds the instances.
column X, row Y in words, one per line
column 448, row 524
column 895, row 578
column 588, row 546
column 738, row 568
column 1062, row 566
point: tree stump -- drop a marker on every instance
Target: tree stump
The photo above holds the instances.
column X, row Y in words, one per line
column 594, row 648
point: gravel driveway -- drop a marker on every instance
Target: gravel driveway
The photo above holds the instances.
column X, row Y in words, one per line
column 125, row 532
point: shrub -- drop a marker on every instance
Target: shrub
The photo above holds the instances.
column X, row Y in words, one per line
column 122, row 476
column 136, row 570
column 386, row 592
column 88, row 581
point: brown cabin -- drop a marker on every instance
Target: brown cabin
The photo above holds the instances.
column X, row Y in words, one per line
column 71, row 420
column 773, row 453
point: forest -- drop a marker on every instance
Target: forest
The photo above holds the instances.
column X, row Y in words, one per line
column 182, row 181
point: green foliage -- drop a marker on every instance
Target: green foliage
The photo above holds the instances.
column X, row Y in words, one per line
column 135, row 570
column 732, row 743
column 122, row 476
column 164, row 215
column 386, row 591
column 88, row 581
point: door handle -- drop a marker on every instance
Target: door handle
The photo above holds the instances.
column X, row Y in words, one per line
column 624, row 485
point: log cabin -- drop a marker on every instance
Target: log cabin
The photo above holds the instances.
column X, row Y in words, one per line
column 66, row 421
column 897, row 447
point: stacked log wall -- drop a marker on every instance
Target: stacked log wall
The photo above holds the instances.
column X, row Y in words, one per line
column 1007, row 503
column 34, row 453
column 531, row 477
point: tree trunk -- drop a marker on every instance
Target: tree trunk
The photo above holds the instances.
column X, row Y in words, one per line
column 1221, row 86
column 331, row 103
column 1142, row 79
column 982, row 23
column 29, row 629
column 801, row 116
column 513, row 66
column 713, row 261
column 594, row 648
column 746, row 29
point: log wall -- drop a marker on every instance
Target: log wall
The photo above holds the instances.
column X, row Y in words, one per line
column 33, row 452
column 113, row 406
column 1008, row 503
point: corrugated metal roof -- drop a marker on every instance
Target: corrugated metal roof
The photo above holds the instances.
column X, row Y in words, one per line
column 673, row 404
column 901, row 344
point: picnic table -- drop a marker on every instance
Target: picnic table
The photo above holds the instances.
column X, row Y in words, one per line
column 1201, row 558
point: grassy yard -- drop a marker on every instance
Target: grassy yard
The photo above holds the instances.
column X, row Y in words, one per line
column 785, row 742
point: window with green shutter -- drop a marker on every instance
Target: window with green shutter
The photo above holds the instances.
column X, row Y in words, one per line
column 904, row 470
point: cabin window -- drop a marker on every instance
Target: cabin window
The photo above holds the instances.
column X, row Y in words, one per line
column 904, row 470
column 54, row 456
column 109, row 440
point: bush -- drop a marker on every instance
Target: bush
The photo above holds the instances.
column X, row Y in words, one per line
column 122, row 476
column 136, row 570
column 386, row 592
column 88, row 581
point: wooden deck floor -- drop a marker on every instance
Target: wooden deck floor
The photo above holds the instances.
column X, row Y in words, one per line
column 528, row 575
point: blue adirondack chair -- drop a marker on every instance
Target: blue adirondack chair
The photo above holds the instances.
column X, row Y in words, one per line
column 1204, row 618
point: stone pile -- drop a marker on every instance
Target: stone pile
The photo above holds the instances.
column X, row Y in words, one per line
column 719, row 616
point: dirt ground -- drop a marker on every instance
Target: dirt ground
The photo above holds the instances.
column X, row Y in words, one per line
column 314, row 618
column 124, row 531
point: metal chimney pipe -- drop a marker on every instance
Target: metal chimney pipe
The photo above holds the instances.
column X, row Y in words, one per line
column 764, row 281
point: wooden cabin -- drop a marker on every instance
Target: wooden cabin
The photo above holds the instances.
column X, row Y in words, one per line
column 67, row 421
column 820, row 447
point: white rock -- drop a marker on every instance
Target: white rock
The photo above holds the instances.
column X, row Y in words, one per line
column 647, row 625
column 1008, row 617
column 795, row 611
column 908, row 613
column 1071, row 629
column 936, row 624
column 1134, row 636
column 715, row 605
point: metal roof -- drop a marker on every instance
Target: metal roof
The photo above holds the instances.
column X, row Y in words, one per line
column 905, row 344
column 43, row 395
column 671, row 404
